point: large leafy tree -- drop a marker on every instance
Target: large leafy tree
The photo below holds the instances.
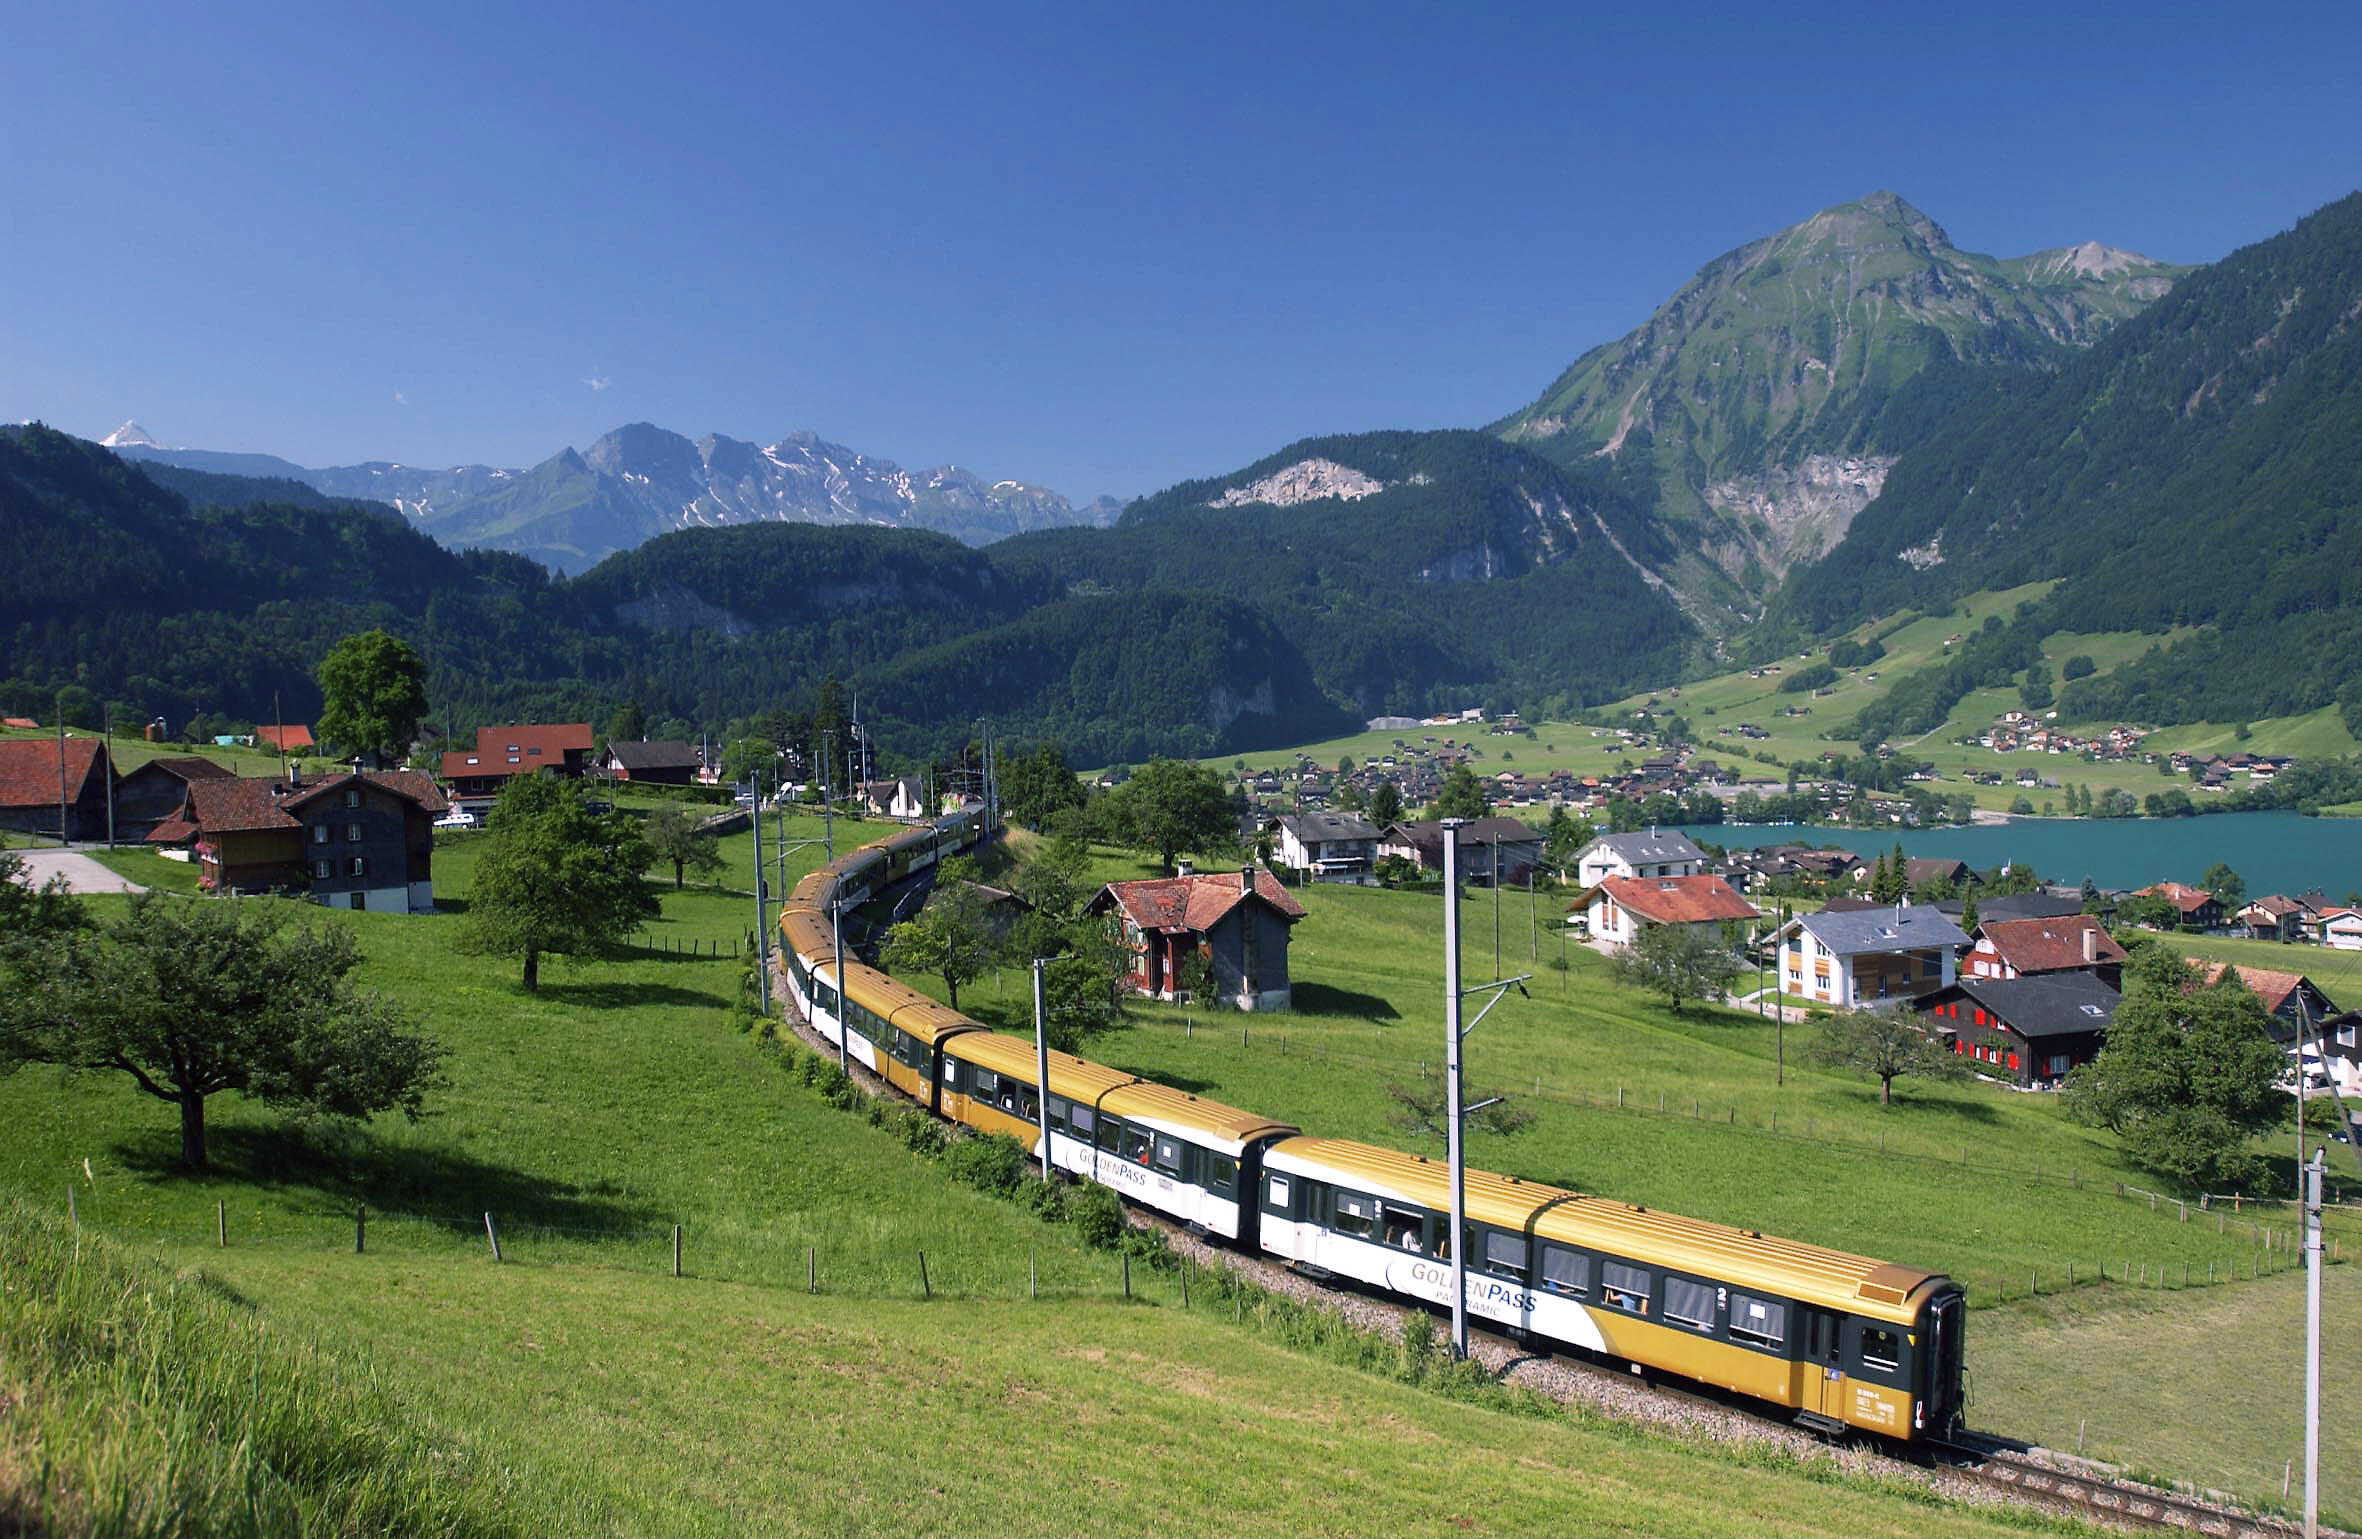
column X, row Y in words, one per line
column 373, row 688
column 1462, row 795
column 191, row 999
column 1886, row 1045
column 558, row 877
column 1386, row 804
column 2189, row 1076
column 675, row 839
column 951, row 937
column 2227, row 885
column 1036, row 785
column 1172, row 805
column 1679, row 961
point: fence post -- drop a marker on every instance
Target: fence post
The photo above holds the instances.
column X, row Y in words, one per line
column 72, row 1216
column 221, row 1226
column 1619, row 1098
column 676, row 1250
column 360, row 1228
column 1032, row 1274
column 493, row 1235
column 926, row 1289
column 811, row 1269
column 2070, row 1274
column 1184, row 1282
column 1127, row 1274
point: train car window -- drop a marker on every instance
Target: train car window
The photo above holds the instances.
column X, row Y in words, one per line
column 1082, row 1121
column 1111, row 1134
column 1624, row 1287
column 1763, row 1322
column 1504, row 1254
column 1136, row 1143
column 1168, row 1155
column 982, row 1083
column 1275, row 1194
column 1565, row 1271
column 1356, row 1215
column 1403, row 1227
column 1690, row 1303
column 1223, row 1174
column 1881, row 1348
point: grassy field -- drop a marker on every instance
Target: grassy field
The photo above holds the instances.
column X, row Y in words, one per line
column 579, row 1388
column 1554, row 745
column 2210, row 1388
column 131, row 751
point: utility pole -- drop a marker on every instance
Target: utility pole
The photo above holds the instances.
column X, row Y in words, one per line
column 828, row 808
column 1041, row 1066
column 108, row 769
column 61, row 770
column 837, row 935
column 762, row 933
column 1455, row 1114
column 2312, row 1195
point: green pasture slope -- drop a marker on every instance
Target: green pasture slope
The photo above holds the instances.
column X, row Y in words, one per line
column 577, row 1387
column 1914, row 641
column 1704, row 1128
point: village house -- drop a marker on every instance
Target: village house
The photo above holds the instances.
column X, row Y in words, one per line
column 2031, row 1030
column 904, row 798
column 2293, row 1001
column 2028, row 948
column 2341, row 929
column 1618, row 908
column 1935, row 870
column 1863, row 957
column 287, row 737
column 40, row 778
column 352, row 839
column 1238, row 921
column 1327, row 846
column 2199, row 909
column 1649, row 854
column 2272, row 917
column 664, row 762
column 476, row 775
column 1512, row 848
column 156, row 790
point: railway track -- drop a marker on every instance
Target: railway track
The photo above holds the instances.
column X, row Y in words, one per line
column 1973, row 1460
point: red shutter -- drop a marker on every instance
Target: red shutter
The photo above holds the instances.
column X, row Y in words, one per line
column 2013, row 1060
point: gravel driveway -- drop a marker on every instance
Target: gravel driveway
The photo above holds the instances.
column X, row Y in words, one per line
column 82, row 874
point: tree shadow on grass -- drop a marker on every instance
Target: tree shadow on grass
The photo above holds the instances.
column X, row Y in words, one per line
column 1180, row 1082
column 1913, row 1105
column 1327, row 999
column 620, row 995
column 348, row 1165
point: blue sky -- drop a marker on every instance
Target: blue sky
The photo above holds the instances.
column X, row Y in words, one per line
column 1100, row 248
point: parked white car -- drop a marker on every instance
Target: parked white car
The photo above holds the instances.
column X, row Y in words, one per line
column 459, row 818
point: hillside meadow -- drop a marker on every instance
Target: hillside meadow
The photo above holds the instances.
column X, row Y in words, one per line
column 577, row 1387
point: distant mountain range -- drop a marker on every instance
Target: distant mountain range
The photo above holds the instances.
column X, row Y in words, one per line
column 1762, row 405
column 640, row 481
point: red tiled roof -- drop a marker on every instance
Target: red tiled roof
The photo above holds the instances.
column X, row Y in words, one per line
column 2049, row 945
column 504, row 751
column 1195, row 902
column 28, row 770
column 1677, row 899
column 193, row 769
column 253, row 805
column 2271, row 987
column 20, row 721
column 2277, row 906
column 287, row 738
column 172, row 830
column 2188, row 899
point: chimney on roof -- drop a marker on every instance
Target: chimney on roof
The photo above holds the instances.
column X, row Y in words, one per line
column 1246, row 880
column 1182, row 867
column 2091, row 944
column 294, row 773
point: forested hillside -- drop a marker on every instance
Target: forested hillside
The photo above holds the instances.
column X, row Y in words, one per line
column 1416, row 570
column 2200, row 466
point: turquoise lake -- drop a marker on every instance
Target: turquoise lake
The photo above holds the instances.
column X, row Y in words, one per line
column 2273, row 851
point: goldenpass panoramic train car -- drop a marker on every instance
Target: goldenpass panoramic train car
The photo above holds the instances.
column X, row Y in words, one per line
column 1842, row 1340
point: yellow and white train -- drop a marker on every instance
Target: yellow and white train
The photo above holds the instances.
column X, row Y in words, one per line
column 1841, row 1341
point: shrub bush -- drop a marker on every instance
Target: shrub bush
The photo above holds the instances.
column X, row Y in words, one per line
column 837, row 1088
column 1097, row 1215
column 995, row 1163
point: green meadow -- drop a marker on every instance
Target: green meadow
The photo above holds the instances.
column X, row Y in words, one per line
column 279, row 1379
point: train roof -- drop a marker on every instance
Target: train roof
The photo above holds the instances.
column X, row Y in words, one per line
column 1809, row 1273
column 900, row 1005
column 1210, row 1123
column 808, row 933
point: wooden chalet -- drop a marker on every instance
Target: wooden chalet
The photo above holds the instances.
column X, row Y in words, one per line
column 2031, row 1029
column 352, row 839
column 1239, row 921
column 476, row 775
column 43, row 780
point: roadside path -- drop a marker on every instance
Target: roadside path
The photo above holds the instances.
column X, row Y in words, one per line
column 82, row 874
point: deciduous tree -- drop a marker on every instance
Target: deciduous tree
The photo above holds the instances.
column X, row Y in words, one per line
column 557, row 877
column 1386, row 804
column 193, row 998
column 1679, row 961
column 373, row 696
column 951, row 936
column 674, row 839
column 1172, row 805
column 1462, row 795
column 2189, row 1075
column 1885, row 1044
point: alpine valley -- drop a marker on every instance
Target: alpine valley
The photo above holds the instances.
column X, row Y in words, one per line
column 1837, row 423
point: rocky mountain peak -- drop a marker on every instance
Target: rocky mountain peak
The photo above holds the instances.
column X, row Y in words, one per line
column 130, row 436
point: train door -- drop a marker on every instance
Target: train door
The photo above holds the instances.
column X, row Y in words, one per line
column 1824, row 1365
column 1943, row 1390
